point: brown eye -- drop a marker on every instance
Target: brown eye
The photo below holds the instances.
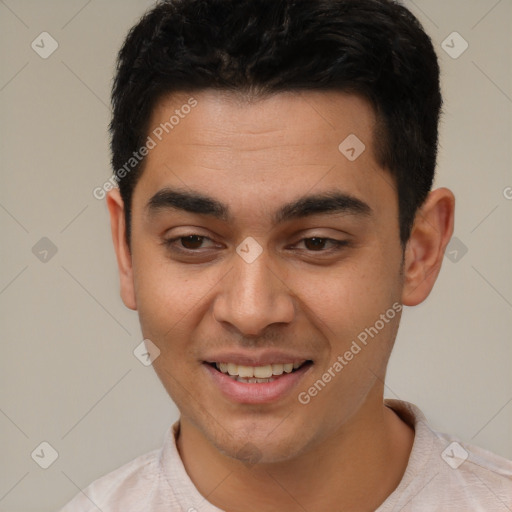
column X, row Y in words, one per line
column 188, row 245
column 322, row 245
column 191, row 241
column 315, row 244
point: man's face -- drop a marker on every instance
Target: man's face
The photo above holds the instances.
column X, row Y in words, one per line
column 252, row 281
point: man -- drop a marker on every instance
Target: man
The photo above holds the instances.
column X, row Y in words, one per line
column 275, row 160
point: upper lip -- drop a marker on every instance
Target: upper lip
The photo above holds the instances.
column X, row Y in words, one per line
column 261, row 358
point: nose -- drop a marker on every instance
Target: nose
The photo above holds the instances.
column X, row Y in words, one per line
column 253, row 296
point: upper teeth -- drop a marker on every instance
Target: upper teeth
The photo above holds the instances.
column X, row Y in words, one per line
column 260, row 372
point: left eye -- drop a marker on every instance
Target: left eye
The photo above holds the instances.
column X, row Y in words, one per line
column 317, row 244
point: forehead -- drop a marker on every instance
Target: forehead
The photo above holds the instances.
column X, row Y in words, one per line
column 224, row 119
column 268, row 150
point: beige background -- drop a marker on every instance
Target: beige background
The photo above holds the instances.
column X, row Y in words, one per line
column 67, row 371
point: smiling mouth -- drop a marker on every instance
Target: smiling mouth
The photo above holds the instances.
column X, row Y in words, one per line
column 259, row 374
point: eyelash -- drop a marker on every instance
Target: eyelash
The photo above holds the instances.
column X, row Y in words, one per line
column 170, row 244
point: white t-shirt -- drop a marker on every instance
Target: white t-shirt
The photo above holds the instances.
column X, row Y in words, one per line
column 442, row 474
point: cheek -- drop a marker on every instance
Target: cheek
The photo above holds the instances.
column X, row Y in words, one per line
column 345, row 304
column 171, row 301
column 351, row 296
column 162, row 296
column 170, row 306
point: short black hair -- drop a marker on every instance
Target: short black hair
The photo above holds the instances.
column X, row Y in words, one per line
column 374, row 48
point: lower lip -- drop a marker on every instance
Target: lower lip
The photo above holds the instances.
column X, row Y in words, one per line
column 257, row 393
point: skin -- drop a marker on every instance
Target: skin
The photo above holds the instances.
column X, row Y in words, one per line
column 344, row 450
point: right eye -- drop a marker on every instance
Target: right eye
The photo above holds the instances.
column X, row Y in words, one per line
column 187, row 243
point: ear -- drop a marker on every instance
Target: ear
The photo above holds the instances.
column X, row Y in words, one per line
column 115, row 206
column 430, row 234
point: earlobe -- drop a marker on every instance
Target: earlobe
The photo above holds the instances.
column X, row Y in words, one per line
column 431, row 232
column 115, row 206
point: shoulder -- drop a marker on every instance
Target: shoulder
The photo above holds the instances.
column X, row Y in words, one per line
column 445, row 473
column 467, row 477
column 466, row 464
column 122, row 489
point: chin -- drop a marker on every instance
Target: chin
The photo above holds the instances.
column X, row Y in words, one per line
column 264, row 448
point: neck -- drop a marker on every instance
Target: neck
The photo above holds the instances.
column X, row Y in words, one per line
column 355, row 469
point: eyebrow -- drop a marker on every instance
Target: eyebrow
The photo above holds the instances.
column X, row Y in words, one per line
column 331, row 202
